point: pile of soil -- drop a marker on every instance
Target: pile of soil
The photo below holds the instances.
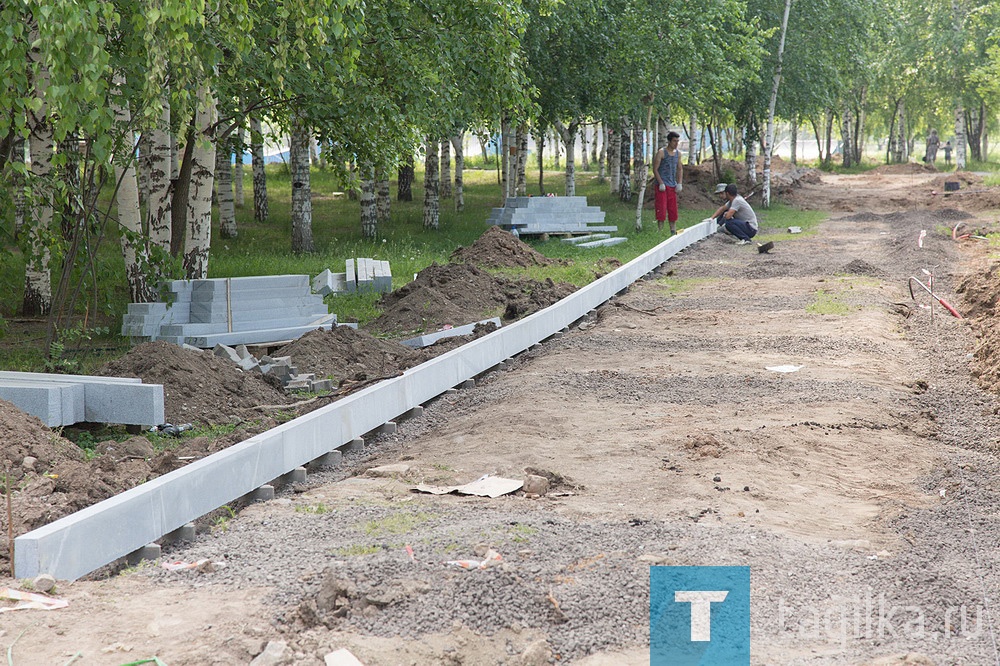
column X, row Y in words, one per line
column 343, row 353
column 52, row 478
column 908, row 167
column 198, row 387
column 965, row 178
column 497, row 248
column 981, row 292
column 700, row 181
column 458, row 294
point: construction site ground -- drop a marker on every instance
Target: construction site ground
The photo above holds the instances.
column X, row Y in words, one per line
column 859, row 487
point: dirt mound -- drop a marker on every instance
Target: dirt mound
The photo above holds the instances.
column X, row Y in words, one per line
column 974, row 198
column 964, row 178
column 908, row 167
column 50, row 476
column 861, row 267
column 198, row 387
column 457, row 294
column 497, row 248
column 344, row 353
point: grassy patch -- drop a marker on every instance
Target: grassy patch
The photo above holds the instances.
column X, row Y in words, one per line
column 828, row 303
column 356, row 550
column 396, row 523
column 674, row 286
column 776, row 220
column 314, row 509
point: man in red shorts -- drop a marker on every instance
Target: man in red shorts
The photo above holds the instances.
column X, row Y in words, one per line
column 669, row 173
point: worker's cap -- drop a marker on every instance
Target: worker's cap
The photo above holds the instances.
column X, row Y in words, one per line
column 720, row 188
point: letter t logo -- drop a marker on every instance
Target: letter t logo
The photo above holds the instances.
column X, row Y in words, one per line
column 701, row 611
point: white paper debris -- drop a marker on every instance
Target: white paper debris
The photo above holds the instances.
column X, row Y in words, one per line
column 784, row 368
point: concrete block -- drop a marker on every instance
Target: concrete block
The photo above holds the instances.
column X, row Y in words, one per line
column 53, row 403
column 606, row 242
column 185, row 532
column 226, row 352
column 411, row 413
column 331, row 459
column 264, row 493
column 430, row 338
column 355, row 445
column 350, row 277
column 387, row 428
column 467, row 384
column 297, row 475
column 584, row 239
column 148, row 552
column 322, row 386
column 248, row 364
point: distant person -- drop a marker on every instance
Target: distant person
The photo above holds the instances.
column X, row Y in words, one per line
column 735, row 215
column 932, row 147
column 669, row 172
column 947, row 152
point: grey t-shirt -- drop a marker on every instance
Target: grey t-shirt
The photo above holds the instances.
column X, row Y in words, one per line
column 742, row 211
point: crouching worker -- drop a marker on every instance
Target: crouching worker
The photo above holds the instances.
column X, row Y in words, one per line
column 735, row 214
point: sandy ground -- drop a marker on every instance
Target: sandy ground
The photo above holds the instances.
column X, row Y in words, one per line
column 857, row 488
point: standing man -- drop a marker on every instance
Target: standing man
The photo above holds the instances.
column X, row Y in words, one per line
column 669, row 172
column 736, row 214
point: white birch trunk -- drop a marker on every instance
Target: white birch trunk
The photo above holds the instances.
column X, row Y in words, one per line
column 614, row 159
column 20, row 186
column 158, row 205
column 458, row 143
column 298, row 158
column 584, row 159
column 133, row 241
column 693, row 142
column 224, row 190
column 37, row 277
column 383, row 198
column 198, row 228
column 432, row 202
column 769, row 137
column 505, row 161
column 521, row 188
column 238, row 167
column 960, row 138
column 369, row 212
column 260, row 211
column 568, row 134
column 446, row 169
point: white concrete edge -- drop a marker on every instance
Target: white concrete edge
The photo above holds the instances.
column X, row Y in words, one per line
column 80, row 543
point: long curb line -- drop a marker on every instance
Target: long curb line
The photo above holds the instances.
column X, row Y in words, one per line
column 82, row 542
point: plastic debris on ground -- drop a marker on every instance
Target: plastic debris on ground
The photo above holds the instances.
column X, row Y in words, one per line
column 485, row 486
column 784, row 368
column 491, row 559
column 30, row 601
column 203, row 566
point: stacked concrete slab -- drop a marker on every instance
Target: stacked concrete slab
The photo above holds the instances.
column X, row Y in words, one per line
column 549, row 215
column 62, row 400
column 243, row 310
column 360, row 274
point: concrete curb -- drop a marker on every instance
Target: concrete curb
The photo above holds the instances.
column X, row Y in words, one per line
column 76, row 545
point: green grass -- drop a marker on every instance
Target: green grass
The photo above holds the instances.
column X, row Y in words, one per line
column 828, row 303
column 396, row 523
